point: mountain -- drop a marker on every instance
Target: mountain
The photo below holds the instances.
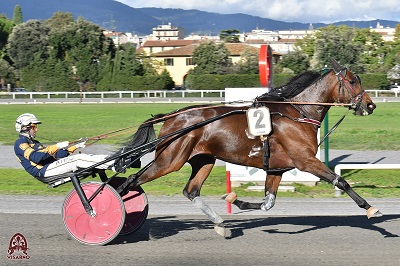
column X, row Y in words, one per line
column 116, row 16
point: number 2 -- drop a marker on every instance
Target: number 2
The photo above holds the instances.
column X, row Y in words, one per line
column 260, row 115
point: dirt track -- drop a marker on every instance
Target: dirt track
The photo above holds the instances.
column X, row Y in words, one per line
column 175, row 233
column 190, row 240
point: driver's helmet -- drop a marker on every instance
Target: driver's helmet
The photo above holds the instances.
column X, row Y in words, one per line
column 25, row 120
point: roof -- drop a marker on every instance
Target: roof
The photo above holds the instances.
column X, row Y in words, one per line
column 169, row 43
column 235, row 49
column 287, row 40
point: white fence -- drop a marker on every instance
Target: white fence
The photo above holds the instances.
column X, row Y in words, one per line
column 146, row 94
column 115, row 94
column 382, row 166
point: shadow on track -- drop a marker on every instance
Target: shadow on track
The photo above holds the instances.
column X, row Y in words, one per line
column 168, row 226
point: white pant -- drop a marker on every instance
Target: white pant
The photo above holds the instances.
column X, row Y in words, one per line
column 73, row 162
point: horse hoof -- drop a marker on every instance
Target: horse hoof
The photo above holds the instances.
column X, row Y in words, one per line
column 373, row 213
column 222, row 231
column 230, row 197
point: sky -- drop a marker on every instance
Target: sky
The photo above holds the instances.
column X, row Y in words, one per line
column 305, row 11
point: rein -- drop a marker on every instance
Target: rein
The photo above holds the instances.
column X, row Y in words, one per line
column 333, row 128
column 310, row 103
column 110, row 134
column 117, row 132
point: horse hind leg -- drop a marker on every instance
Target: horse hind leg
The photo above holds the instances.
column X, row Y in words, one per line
column 271, row 189
column 242, row 205
column 201, row 168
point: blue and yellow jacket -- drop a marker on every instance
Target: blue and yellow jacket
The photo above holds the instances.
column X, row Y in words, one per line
column 35, row 157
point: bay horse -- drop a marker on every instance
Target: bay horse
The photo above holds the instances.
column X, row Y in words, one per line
column 210, row 132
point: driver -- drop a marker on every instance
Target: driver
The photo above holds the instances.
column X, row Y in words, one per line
column 41, row 161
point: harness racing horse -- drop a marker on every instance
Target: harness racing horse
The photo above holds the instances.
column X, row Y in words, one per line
column 207, row 132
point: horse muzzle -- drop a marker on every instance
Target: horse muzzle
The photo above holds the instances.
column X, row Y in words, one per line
column 365, row 109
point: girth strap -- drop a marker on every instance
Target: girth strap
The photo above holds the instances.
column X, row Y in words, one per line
column 266, row 152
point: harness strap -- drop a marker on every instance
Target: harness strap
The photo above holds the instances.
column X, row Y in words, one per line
column 266, row 153
column 309, row 121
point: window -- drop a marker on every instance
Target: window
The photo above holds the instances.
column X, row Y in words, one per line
column 169, row 61
column 189, row 61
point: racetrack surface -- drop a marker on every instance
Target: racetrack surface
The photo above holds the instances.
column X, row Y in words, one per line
column 295, row 232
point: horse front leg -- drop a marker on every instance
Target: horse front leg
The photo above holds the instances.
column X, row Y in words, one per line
column 271, row 189
column 372, row 212
column 317, row 168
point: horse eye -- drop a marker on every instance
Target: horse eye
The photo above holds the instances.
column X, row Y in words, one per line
column 352, row 82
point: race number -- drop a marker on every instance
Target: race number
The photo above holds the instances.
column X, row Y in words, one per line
column 259, row 121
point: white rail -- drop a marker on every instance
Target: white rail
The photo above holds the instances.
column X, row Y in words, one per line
column 340, row 167
column 148, row 94
column 116, row 94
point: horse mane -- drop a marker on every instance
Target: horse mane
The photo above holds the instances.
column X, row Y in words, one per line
column 295, row 86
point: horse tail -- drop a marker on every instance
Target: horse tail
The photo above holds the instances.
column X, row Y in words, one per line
column 144, row 134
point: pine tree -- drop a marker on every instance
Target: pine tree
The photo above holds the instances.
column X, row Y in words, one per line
column 17, row 16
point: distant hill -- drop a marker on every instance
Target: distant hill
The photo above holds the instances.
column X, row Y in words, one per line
column 116, row 16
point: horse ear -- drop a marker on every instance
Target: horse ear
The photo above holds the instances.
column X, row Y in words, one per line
column 336, row 66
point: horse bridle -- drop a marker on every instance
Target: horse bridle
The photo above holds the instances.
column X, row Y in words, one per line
column 355, row 97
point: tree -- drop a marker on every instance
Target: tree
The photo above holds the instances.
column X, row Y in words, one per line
column 394, row 74
column 17, row 16
column 27, row 40
column 7, row 74
column 211, row 58
column 306, row 45
column 84, row 48
column 249, row 62
column 337, row 42
column 6, row 27
column 229, row 36
column 296, row 61
column 374, row 50
column 59, row 21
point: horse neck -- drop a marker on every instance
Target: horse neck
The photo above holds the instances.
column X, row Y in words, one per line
column 321, row 91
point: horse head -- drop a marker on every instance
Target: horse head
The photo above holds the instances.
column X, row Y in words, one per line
column 350, row 90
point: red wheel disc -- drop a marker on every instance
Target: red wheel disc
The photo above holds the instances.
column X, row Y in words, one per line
column 136, row 207
column 105, row 225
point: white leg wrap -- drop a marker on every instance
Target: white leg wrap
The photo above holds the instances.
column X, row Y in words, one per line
column 212, row 215
column 268, row 203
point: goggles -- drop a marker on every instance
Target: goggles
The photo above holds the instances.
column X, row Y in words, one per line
column 33, row 126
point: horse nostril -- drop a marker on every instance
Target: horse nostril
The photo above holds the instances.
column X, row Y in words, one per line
column 371, row 106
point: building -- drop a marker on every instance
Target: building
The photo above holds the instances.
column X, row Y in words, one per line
column 167, row 32
column 117, row 37
column 178, row 61
column 151, row 46
column 168, row 45
column 386, row 32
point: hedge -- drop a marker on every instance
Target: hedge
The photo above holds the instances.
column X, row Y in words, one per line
column 220, row 82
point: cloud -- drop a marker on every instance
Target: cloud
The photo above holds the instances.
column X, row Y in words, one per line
column 287, row 10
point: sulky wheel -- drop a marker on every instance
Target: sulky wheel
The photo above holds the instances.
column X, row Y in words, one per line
column 136, row 207
column 105, row 225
